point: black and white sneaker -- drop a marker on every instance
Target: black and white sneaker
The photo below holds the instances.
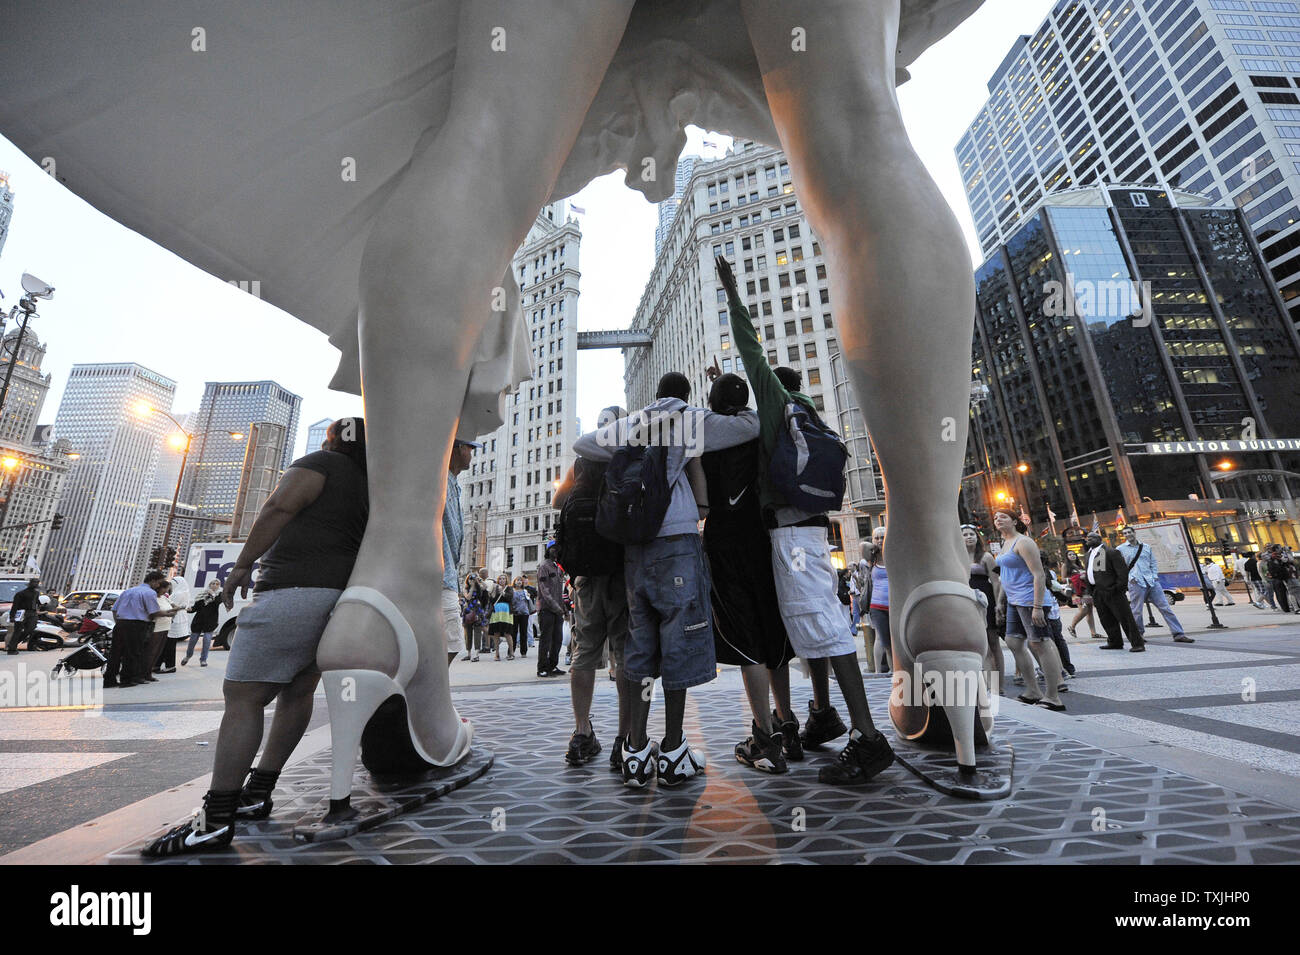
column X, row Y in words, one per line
column 616, row 755
column 821, row 727
column 583, row 747
column 639, row 765
column 790, row 742
column 253, row 806
column 762, row 751
column 678, row 765
column 211, row 827
column 860, row 761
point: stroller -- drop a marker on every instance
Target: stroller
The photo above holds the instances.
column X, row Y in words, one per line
column 91, row 655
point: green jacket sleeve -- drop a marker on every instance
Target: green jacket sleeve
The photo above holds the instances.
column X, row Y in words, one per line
column 769, row 394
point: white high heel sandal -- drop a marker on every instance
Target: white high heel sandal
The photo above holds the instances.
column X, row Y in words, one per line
column 952, row 680
column 354, row 696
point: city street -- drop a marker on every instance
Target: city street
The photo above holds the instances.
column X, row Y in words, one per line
column 1216, row 718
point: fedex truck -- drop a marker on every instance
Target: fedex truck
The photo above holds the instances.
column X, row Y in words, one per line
column 208, row 562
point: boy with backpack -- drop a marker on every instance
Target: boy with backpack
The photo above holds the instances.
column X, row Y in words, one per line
column 801, row 454
column 650, row 503
column 594, row 564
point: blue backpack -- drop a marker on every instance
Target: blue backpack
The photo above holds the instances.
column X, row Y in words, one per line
column 807, row 466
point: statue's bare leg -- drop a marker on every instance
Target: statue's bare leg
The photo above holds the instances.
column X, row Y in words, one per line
column 525, row 76
column 900, row 280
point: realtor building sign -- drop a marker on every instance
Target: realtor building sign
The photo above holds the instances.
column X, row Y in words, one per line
column 1215, row 447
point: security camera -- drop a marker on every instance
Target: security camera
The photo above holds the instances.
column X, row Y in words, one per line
column 36, row 288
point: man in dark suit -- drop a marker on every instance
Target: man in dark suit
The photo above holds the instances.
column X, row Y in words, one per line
column 1107, row 577
column 26, row 604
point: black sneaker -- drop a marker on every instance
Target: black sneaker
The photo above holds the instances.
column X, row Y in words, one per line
column 859, row 761
column 255, row 798
column 790, row 741
column 616, row 755
column 639, row 766
column 678, row 765
column 821, row 727
column 583, row 748
column 212, row 827
column 762, row 752
column 253, row 806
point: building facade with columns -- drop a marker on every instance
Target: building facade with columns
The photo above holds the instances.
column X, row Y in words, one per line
column 506, row 491
column 743, row 207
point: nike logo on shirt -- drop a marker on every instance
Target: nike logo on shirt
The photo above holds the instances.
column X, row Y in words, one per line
column 732, row 500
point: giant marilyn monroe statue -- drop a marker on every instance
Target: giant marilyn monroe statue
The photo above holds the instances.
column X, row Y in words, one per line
column 374, row 164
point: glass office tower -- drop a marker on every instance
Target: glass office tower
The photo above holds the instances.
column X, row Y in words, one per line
column 1115, row 325
column 1201, row 96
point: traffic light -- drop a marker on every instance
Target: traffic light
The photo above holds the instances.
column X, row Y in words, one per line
column 57, row 522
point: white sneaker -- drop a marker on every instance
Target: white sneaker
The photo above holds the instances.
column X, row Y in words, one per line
column 639, row 765
column 678, row 765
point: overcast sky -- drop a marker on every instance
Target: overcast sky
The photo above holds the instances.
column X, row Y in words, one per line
column 119, row 297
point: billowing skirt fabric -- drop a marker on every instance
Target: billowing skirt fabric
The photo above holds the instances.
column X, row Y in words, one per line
column 258, row 138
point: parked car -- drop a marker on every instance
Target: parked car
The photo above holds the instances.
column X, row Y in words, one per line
column 77, row 603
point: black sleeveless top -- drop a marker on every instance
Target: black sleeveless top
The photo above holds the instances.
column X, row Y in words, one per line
column 318, row 547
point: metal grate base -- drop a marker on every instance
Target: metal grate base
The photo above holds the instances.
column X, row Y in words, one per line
column 1072, row 803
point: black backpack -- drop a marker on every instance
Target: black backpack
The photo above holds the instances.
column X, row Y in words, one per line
column 635, row 495
column 584, row 551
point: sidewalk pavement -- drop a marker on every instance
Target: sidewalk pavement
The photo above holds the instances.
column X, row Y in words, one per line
column 75, row 785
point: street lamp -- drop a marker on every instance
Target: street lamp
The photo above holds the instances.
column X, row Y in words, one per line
column 181, row 442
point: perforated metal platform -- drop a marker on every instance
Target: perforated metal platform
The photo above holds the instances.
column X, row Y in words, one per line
column 1071, row 802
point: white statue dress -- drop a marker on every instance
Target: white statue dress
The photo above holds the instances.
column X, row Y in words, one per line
column 257, row 139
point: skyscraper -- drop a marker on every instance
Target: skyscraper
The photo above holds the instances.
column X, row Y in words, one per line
column 506, row 492
column 1195, row 95
column 263, row 465
column 741, row 207
column 6, row 208
column 668, row 208
column 1137, row 358
column 316, row 434
column 27, row 387
column 108, row 486
column 157, row 512
column 216, row 460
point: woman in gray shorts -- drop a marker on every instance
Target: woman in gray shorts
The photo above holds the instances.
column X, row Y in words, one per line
column 307, row 536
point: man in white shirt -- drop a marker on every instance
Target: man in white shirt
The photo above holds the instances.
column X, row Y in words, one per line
column 1214, row 577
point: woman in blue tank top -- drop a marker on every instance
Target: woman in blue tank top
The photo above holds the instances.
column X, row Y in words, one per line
column 1024, row 587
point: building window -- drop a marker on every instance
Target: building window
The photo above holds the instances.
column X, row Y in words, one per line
column 814, row 376
column 530, row 553
column 793, row 352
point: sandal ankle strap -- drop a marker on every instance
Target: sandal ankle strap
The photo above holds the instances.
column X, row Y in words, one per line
column 408, row 651
column 933, row 588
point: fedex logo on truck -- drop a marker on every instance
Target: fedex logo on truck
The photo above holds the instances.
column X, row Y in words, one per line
column 214, row 560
